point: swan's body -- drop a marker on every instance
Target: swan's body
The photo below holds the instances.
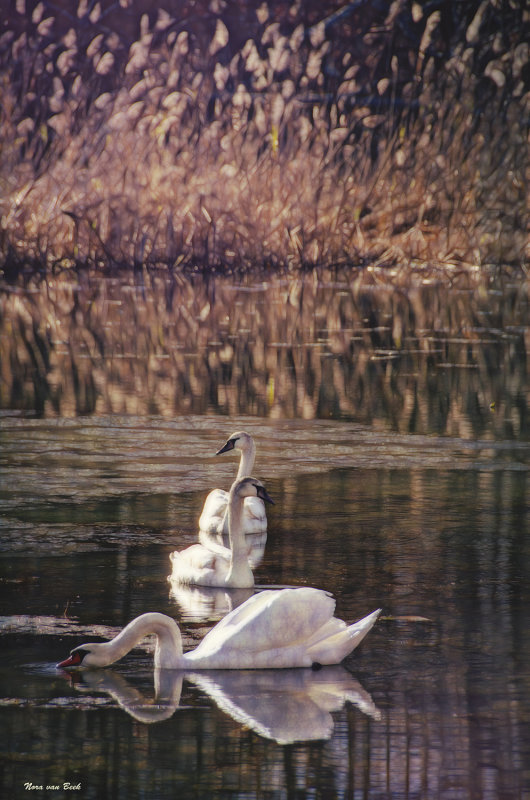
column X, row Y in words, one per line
column 214, row 517
column 217, row 565
column 272, row 629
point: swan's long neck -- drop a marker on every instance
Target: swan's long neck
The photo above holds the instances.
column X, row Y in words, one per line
column 240, row 573
column 246, row 462
column 168, row 648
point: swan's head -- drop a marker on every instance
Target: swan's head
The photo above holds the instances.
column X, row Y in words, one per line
column 250, row 487
column 238, row 441
column 168, row 648
column 86, row 655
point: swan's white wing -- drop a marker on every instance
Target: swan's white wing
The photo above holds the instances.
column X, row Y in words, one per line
column 214, row 521
column 213, row 511
column 197, row 564
column 270, row 620
column 199, row 557
column 254, row 509
column 335, row 641
column 282, row 628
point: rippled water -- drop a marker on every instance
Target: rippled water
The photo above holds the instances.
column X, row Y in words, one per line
column 432, row 526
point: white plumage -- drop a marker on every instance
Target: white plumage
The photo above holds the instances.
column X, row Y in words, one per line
column 216, row 565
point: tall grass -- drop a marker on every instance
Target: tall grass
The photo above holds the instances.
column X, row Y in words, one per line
column 238, row 137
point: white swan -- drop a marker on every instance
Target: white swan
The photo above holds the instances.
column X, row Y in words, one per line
column 216, row 565
column 272, row 629
column 214, row 517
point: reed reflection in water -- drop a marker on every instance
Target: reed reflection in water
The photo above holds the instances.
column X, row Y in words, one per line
column 423, row 358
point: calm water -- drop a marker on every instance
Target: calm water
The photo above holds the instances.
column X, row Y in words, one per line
column 432, row 525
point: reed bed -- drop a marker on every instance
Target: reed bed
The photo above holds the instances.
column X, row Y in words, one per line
column 220, row 136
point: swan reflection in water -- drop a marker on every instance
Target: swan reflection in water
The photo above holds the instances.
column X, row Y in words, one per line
column 207, row 603
column 287, row 705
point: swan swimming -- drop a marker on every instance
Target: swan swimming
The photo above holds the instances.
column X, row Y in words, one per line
column 272, row 629
column 216, row 565
column 214, row 517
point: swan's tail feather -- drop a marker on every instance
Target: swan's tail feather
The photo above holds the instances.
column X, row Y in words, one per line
column 332, row 649
column 326, row 632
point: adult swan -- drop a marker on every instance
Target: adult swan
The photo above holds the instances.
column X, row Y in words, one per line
column 279, row 628
column 216, row 565
column 214, row 517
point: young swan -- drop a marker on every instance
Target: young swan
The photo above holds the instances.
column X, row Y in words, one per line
column 222, row 566
column 214, row 517
column 272, row 629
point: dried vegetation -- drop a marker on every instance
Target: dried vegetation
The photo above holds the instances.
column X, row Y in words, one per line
column 223, row 135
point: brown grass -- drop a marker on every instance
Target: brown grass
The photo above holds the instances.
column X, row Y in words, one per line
column 176, row 141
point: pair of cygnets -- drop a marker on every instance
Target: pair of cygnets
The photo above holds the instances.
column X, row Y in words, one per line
column 272, row 629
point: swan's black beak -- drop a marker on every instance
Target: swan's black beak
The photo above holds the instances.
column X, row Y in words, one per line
column 231, row 443
column 262, row 492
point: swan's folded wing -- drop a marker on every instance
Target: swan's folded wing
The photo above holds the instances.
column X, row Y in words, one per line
column 199, row 557
column 213, row 510
column 270, row 620
column 255, row 509
column 340, row 640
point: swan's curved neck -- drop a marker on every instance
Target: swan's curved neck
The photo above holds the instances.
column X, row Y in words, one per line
column 246, row 462
column 240, row 574
column 168, row 648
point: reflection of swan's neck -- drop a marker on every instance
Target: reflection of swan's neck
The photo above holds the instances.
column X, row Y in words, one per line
column 246, row 462
column 168, row 648
column 240, row 574
column 168, row 688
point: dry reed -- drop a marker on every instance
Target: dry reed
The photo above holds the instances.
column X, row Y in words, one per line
column 382, row 136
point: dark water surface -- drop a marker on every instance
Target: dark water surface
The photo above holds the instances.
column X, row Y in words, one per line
column 423, row 512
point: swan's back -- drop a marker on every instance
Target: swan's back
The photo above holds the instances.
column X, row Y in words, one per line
column 278, row 617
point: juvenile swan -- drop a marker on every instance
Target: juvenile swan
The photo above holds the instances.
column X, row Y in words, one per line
column 214, row 517
column 272, row 629
column 217, row 565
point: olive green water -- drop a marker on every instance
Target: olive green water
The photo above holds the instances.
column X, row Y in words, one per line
column 392, row 432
